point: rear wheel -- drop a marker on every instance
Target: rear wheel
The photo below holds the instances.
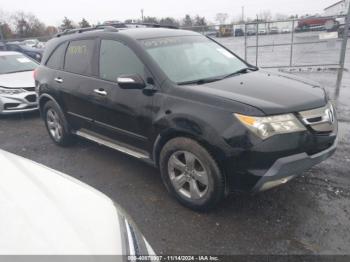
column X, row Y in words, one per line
column 56, row 124
column 191, row 174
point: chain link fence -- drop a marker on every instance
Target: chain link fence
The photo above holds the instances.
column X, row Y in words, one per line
column 306, row 44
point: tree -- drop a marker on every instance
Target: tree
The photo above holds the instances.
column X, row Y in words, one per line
column 221, row 18
column 200, row 21
column 169, row 21
column 150, row 20
column 83, row 23
column 187, row 21
column 37, row 28
column 21, row 25
column 27, row 25
column 66, row 24
column 6, row 30
column 51, row 30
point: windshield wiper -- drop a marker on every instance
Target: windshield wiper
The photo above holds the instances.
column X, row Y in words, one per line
column 240, row 71
column 213, row 79
column 200, row 81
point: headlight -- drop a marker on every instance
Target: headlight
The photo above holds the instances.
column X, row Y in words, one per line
column 9, row 91
column 265, row 127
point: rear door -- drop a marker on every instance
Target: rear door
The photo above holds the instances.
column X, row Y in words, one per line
column 77, row 81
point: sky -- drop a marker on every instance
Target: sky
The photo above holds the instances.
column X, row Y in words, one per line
column 53, row 12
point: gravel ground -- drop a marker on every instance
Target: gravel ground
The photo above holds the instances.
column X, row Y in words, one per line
column 309, row 215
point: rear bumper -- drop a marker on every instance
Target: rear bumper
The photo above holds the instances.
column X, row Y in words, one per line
column 286, row 168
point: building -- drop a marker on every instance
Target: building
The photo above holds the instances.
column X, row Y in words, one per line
column 338, row 8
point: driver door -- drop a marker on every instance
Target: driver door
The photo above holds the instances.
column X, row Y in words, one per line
column 122, row 115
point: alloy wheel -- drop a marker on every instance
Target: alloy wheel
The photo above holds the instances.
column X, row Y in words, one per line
column 54, row 124
column 188, row 175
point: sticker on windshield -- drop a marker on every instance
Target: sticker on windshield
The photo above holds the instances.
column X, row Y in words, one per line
column 23, row 60
column 225, row 52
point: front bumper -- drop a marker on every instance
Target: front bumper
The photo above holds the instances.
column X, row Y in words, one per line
column 18, row 103
column 286, row 168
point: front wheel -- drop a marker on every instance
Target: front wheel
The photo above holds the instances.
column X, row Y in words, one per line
column 191, row 174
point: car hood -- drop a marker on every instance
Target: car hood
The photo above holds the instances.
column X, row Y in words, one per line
column 272, row 93
column 17, row 80
column 46, row 212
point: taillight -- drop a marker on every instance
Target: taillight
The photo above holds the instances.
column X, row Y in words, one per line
column 35, row 73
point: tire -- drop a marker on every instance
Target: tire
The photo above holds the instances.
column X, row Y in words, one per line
column 55, row 120
column 196, row 181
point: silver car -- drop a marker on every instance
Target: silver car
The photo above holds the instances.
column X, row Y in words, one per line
column 17, row 85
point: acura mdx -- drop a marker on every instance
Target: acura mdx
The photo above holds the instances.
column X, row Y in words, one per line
column 211, row 122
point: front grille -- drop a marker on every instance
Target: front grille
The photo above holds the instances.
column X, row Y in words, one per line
column 320, row 120
column 31, row 98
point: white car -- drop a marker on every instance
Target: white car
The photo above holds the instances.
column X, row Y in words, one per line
column 45, row 212
column 285, row 30
column 262, row 31
column 31, row 42
column 17, row 85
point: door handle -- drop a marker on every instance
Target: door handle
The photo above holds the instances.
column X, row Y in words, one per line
column 101, row 92
column 58, row 80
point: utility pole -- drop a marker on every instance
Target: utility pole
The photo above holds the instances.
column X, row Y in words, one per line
column 142, row 15
column 1, row 34
column 342, row 55
column 242, row 13
column 257, row 41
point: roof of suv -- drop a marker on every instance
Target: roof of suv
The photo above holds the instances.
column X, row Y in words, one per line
column 132, row 33
column 145, row 33
column 135, row 33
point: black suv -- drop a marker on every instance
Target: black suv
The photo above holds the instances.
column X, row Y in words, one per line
column 210, row 121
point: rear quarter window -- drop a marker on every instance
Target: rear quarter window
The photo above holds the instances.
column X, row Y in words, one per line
column 57, row 56
column 79, row 56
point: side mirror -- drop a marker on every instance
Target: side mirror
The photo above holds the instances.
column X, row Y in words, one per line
column 131, row 81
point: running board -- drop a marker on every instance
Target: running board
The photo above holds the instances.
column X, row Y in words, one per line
column 113, row 145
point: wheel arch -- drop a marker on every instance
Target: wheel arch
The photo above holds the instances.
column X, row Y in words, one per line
column 43, row 99
column 165, row 137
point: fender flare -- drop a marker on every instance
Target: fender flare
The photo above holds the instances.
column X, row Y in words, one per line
column 46, row 97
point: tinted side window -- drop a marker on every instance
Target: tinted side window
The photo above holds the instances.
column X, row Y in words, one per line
column 56, row 59
column 117, row 59
column 79, row 57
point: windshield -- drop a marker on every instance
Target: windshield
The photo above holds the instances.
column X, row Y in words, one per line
column 191, row 58
column 16, row 63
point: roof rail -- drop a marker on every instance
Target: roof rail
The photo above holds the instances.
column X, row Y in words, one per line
column 118, row 24
column 153, row 25
column 86, row 29
column 113, row 28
